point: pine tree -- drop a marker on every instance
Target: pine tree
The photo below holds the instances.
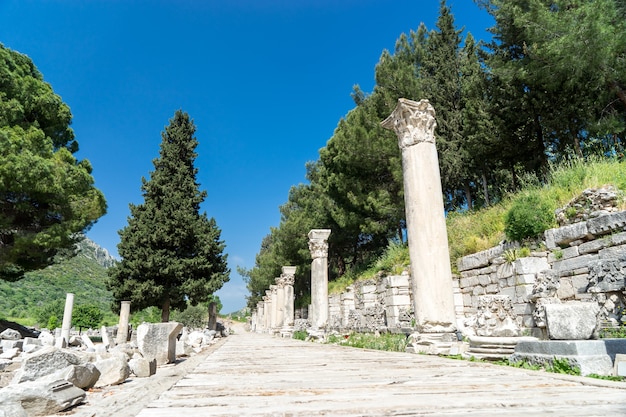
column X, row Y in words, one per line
column 171, row 253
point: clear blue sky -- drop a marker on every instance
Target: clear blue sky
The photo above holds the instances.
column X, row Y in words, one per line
column 265, row 81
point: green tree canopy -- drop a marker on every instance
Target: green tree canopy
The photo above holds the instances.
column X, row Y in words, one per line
column 171, row 253
column 47, row 196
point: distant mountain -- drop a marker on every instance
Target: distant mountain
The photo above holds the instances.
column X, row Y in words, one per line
column 83, row 275
column 91, row 250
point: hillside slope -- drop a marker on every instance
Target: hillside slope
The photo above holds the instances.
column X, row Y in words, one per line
column 83, row 275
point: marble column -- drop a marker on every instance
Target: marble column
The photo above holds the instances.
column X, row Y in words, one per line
column 122, row 328
column 288, row 276
column 280, row 302
column 260, row 317
column 414, row 124
column 267, row 307
column 212, row 323
column 64, row 340
column 318, row 245
column 274, row 308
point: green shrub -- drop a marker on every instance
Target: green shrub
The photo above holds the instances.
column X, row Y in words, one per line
column 53, row 322
column 528, row 217
column 300, row 335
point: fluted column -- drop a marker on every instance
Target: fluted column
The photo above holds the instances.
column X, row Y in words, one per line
column 280, row 303
column 122, row 328
column 414, row 124
column 318, row 245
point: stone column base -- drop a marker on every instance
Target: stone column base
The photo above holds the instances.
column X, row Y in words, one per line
column 435, row 344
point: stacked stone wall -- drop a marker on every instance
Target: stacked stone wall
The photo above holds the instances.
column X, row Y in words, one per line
column 570, row 252
column 382, row 304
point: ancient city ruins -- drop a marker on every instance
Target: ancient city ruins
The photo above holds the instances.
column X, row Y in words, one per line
column 500, row 305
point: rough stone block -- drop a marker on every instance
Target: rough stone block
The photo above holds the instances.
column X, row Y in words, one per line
column 158, row 341
column 484, row 280
column 492, row 289
column 617, row 239
column 573, row 321
column 509, row 291
column 45, row 362
column 522, row 279
column 567, row 265
column 142, row 367
column 113, row 371
column 10, row 334
column 590, row 356
column 523, row 292
column 530, row 265
column 566, row 290
column 481, row 259
column 42, row 398
column 570, row 252
column 607, row 223
column 398, row 281
column 562, row 236
column 398, row 300
column 614, row 252
column 478, row 290
column 593, row 246
column 580, row 282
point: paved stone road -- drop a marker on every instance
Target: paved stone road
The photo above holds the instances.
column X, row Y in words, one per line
column 259, row 375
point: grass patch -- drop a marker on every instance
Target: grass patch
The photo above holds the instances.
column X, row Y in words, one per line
column 394, row 342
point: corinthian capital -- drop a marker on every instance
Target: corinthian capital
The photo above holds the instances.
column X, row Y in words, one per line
column 289, row 275
column 318, row 244
column 413, row 122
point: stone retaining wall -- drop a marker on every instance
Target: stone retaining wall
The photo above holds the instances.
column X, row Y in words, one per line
column 571, row 253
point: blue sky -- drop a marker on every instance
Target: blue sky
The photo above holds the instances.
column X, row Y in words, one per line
column 266, row 83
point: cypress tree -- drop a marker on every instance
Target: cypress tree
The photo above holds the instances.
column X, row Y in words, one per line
column 171, row 253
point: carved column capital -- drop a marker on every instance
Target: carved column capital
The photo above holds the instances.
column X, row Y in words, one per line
column 413, row 121
column 288, row 275
column 318, row 244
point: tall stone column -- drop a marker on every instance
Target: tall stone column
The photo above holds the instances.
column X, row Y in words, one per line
column 288, row 275
column 280, row 302
column 414, row 124
column 122, row 328
column 267, row 298
column 318, row 245
column 274, row 309
column 212, row 323
column 260, row 315
column 67, row 321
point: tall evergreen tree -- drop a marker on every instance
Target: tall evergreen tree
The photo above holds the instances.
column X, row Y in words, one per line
column 171, row 253
column 47, row 196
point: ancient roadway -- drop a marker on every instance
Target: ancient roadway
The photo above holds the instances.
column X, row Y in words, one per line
column 260, row 375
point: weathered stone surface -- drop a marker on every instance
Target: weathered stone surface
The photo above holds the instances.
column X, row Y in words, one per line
column 591, row 356
column 573, row 321
column 10, row 353
column 44, row 362
column 483, row 258
column 10, row 334
column 562, row 236
column 568, row 265
column 46, row 338
column 606, row 275
column 607, row 223
column 83, row 376
column 496, row 317
column 158, row 341
column 530, row 265
column 113, row 371
column 42, row 398
column 142, row 367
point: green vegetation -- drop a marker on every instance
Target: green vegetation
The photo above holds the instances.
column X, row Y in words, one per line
column 613, row 333
column 40, row 295
column 171, row 253
column 386, row 341
column 47, row 196
column 300, row 335
column 549, row 91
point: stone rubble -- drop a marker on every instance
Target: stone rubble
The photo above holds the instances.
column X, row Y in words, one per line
column 37, row 378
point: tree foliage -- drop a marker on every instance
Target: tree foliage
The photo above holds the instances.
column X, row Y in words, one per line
column 549, row 86
column 86, row 316
column 171, row 253
column 47, row 196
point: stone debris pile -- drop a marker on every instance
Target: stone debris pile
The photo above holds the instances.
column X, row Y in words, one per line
column 38, row 378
